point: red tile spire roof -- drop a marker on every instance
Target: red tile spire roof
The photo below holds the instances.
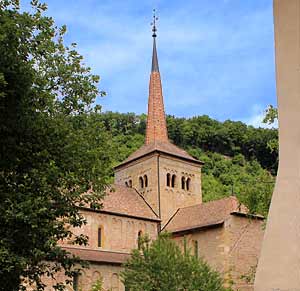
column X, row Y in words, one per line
column 156, row 121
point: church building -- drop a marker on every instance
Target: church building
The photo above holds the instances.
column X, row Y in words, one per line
column 158, row 188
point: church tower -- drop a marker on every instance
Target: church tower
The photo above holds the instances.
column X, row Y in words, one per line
column 166, row 176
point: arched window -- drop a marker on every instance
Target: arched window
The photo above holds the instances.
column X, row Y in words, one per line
column 183, row 183
column 115, row 282
column 75, row 282
column 95, row 277
column 188, row 184
column 173, row 180
column 195, row 246
column 130, row 183
column 145, row 181
column 140, row 233
column 100, row 237
column 141, row 182
column 168, row 180
column 81, row 279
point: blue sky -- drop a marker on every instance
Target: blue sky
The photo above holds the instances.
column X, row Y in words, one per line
column 215, row 57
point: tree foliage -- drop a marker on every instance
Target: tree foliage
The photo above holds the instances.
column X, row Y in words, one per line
column 161, row 266
column 247, row 180
column 237, row 157
column 228, row 138
column 271, row 117
column 52, row 147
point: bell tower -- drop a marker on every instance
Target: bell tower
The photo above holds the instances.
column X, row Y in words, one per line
column 166, row 176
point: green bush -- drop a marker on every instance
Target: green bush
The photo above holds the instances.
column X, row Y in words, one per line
column 161, row 266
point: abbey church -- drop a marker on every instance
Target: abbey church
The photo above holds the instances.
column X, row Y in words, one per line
column 158, row 188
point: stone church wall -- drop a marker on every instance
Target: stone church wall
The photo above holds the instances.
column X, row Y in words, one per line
column 119, row 234
column 245, row 238
column 109, row 274
column 210, row 246
column 232, row 249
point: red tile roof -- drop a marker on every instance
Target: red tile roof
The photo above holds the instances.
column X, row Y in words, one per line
column 156, row 129
column 163, row 147
column 127, row 201
column 205, row 214
column 98, row 255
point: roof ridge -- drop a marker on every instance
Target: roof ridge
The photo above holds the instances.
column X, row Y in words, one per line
column 165, row 147
column 196, row 226
column 146, row 202
column 209, row 202
column 127, row 201
column 93, row 250
column 170, row 219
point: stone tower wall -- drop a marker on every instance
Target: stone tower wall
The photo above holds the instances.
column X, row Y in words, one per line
column 156, row 167
column 173, row 198
column 133, row 171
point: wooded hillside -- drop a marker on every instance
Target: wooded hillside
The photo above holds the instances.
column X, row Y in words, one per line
column 238, row 159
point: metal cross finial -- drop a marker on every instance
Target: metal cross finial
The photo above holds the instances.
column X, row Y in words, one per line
column 153, row 23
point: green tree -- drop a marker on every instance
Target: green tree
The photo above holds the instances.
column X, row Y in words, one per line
column 271, row 115
column 53, row 149
column 161, row 266
column 270, row 118
column 228, row 138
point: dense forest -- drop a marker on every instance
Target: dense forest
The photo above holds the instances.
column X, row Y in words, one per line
column 238, row 158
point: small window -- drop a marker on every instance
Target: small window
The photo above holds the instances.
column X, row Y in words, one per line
column 140, row 233
column 126, row 184
column 195, row 246
column 145, row 181
column 173, row 180
column 130, row 183
column 184, row 245
column 141, row 181
column 75, row 282
column 183, row 183
column 115, row 282
column 168, row 180
column 100, row 237
column 188, row 184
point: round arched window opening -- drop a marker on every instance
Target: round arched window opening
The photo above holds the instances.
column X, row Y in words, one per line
column 183, row 183
column 188, row 184
column 168, row 180
column 141, row 182
column 139, row 239
column 145, row 181
column 100, row 236
column 173, row 181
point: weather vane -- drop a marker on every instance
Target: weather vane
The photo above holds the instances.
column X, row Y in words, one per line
column 153, row 23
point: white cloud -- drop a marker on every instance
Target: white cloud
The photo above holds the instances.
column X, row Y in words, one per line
column 256, row 119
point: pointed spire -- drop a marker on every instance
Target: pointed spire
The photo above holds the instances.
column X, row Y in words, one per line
column 155, row 67
column 156, row 120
